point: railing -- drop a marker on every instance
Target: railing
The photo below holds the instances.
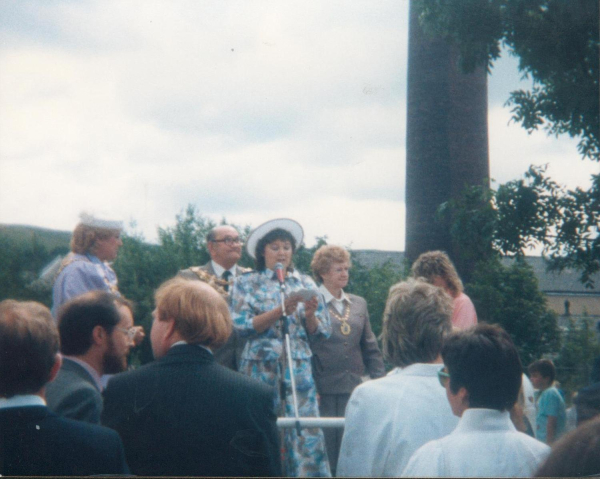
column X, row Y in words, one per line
column 288, row 422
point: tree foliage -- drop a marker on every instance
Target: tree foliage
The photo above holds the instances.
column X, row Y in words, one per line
column 527, row 213
column 577, row 353
column 557, row 44
column 510, row 296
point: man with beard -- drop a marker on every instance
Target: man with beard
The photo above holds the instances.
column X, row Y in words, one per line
column 96, row 334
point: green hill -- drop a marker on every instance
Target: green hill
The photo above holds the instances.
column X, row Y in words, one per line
column 51, row 240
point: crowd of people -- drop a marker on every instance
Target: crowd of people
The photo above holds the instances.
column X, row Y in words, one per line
column 236, row 348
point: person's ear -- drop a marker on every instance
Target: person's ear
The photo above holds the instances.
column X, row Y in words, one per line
column 170, row 329
column 55, row 367
column 463, row 394
column 99, row 335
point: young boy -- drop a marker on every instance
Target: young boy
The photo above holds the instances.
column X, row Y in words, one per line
column 551, row 411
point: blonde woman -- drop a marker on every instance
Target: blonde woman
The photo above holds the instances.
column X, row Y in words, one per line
column 351, row 351
column 437, row 269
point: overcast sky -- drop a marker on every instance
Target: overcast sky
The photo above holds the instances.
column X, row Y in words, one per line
column 250, row 110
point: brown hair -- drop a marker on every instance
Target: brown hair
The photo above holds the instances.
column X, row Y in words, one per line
column 437, row 263
column 78, row 318
column 416, row 320
column 544, row 367
column 84, row 238
column 28, row 347
column 484, row 360
column 201, row 315
column 576, row 454
column 325, row 257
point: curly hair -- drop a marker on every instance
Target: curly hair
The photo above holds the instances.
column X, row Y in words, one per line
column 325, row 257
column 416, row 320
column 84, row 238
column 437, row 263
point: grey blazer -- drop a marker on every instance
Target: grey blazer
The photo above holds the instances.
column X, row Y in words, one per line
column 340, row 361
column 231, row 352
column 74, row 394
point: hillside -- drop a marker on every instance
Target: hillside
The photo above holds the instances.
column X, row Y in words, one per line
column 28, row 235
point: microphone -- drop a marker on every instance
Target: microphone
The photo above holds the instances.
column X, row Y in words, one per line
column 279, row 273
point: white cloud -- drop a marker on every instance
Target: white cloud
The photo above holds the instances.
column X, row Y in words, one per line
column 249, row 110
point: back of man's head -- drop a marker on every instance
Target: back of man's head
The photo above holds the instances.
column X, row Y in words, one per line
column 417, row 317
column 78, row 318
column 200, row 313
column 484, row 361
column 28, row 347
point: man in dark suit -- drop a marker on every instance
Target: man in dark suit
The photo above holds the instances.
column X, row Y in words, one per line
column 34, row 440
column 184, row 414
column 96, row 334
column 225, row 249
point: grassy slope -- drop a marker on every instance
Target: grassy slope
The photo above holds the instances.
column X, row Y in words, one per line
column 50, row 239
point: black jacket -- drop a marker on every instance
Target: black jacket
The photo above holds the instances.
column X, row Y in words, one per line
column 186, row 415
column 36, row 442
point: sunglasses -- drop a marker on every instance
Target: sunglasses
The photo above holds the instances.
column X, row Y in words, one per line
column 443, row 377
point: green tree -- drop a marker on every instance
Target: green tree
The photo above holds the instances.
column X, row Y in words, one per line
column 185, row 243
column 526, row 213
column 557, row 44
column 574, row 362
column 510, row 296
column 374, row 284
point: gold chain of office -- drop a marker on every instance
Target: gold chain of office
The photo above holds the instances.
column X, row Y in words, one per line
column 344, row 326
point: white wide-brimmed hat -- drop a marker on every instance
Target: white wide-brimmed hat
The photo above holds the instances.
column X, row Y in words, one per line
column 95, row 222
column 291, row 226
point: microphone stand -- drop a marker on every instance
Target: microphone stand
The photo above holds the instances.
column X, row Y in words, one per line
column 287, row 353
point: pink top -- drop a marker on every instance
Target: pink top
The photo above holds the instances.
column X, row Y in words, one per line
column 464, row 315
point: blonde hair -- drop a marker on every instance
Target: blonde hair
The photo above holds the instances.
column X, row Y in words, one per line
column 416, row 320
column 325, row 257
column 437, row 263
column 201, row 315
column 84, row 238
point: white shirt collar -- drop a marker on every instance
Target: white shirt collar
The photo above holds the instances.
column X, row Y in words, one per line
column 480, row 419
column 92, row 372
column 219, row 270
column 418, row 369
column 330, row 297
column 179, row 343
column 22, row 401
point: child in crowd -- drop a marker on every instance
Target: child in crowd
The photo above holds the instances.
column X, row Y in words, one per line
column 551, row 410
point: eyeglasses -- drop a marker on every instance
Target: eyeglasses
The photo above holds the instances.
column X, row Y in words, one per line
column 129, row 332
column 229, row 241
column 443, row 377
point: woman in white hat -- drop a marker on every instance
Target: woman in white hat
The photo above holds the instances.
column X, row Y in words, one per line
column 95, row 243
column 257, row 314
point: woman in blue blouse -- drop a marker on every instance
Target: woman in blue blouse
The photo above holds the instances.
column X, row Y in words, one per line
column 257, row 312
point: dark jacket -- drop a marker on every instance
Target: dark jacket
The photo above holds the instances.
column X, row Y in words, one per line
column 34, row 441
column 185, row 414
column 340, row 361
column 74, row 394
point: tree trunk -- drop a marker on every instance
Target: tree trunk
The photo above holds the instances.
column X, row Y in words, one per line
column 446, row 139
